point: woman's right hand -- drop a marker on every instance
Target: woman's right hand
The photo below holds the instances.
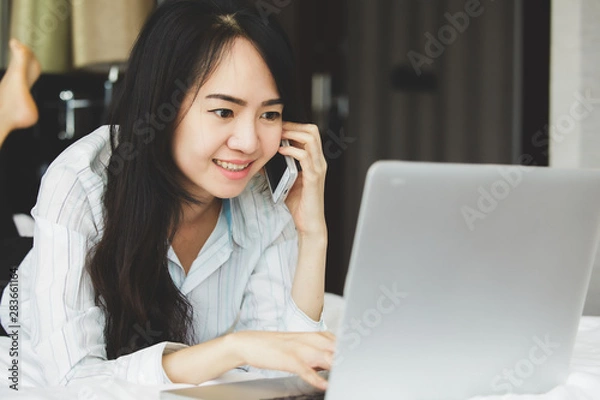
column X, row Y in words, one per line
column 300, row 353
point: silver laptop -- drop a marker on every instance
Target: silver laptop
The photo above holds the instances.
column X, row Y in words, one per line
column 464, row 280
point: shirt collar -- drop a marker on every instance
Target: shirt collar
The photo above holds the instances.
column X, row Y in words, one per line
column 245, row 208
column 235, row 222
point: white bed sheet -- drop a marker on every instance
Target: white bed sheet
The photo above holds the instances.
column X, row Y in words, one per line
column 582, row 384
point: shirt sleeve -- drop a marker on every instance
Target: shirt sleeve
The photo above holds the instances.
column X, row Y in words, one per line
column 267, row 302
column 64, row 325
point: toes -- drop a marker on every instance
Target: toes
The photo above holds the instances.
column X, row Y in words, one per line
column 24, row 61
column 18, row 50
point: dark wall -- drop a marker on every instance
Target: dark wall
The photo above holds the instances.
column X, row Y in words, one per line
column 321, row 46
column 536, row 81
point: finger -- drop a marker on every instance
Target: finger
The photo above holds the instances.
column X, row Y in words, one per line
column 294, row 126
column 307, row 373
column 310, row 171
column 305, row 129
column 309, row 143
column 311, row 376
column 302, row 136
column 308, row 137
column 316, row 355
column 298, row 154
column 323, row 360
column 325, row 341
column 296, row 144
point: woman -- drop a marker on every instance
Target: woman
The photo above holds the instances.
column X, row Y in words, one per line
column 158, row 254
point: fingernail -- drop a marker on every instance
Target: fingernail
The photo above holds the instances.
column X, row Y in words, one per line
column 329, row 358
column 324, row 385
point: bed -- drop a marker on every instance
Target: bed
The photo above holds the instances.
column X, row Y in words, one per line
column 582, row 384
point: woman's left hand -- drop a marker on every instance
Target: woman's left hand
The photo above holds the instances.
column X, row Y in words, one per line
column 306, row 199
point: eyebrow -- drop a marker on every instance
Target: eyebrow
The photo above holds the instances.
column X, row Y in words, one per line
column 241, row 102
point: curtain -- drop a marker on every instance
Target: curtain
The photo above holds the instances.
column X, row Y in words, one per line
column 116, row 24
column 459, row 109
column 44, row 26
column 4, row 32
column 67, row 34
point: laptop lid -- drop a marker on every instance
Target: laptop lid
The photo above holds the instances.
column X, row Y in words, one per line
column 465, row 280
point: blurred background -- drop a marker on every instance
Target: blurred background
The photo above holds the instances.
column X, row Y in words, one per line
column 477, row 81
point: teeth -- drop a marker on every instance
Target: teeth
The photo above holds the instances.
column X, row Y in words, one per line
column 231, row 167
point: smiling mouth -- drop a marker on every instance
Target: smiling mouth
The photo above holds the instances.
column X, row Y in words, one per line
column 230, row 166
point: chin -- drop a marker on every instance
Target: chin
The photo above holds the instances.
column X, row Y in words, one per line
column 230, row 192
column 228, row 195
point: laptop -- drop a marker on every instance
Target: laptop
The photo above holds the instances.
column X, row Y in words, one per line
column 464, row 280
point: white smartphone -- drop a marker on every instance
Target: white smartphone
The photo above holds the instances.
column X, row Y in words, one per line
column 281, row 172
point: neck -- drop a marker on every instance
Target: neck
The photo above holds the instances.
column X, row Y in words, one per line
column 193, row 213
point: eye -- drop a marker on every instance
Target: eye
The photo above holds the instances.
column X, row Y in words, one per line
column 271, row 115
column 222, row 113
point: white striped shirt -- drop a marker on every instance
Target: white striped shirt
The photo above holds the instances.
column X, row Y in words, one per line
column 244, row 270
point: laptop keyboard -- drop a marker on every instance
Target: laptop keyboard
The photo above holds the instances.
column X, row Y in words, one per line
column 315, row 396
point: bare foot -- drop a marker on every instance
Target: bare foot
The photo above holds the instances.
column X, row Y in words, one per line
column 17, row 108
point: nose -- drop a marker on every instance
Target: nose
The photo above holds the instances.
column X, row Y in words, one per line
column 244, row 138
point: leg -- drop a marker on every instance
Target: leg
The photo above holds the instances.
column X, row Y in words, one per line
column 17, row 111
column 17, row 108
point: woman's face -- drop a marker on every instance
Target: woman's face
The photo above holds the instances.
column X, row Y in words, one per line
column 232, row 128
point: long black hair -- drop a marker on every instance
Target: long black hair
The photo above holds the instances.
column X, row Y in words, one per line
column 179, row 47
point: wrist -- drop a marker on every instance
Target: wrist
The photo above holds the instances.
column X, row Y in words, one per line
column 319, row 235
column 235, row 344
column 316, row 242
